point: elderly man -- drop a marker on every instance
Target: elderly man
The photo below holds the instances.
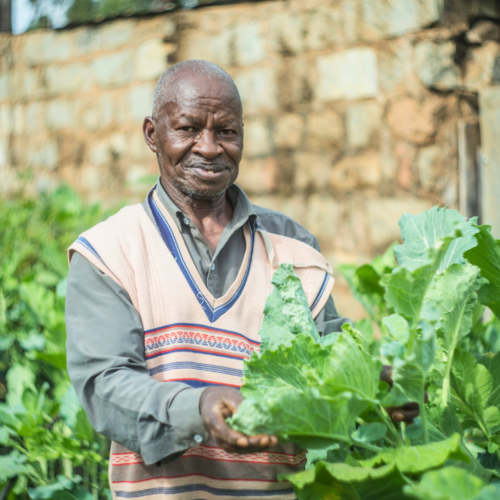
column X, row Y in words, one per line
column 165, row 300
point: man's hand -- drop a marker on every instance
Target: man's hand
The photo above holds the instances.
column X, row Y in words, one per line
column 405, row 413
column 219, row 403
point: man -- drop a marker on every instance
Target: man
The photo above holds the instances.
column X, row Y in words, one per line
column 172, row 291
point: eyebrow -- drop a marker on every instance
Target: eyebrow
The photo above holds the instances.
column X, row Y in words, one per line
column 223, row 123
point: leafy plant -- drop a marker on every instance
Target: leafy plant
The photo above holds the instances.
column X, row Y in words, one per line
column 48, row 448
column 428, row 309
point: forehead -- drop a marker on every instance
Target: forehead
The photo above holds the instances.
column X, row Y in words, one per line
column 194, row 94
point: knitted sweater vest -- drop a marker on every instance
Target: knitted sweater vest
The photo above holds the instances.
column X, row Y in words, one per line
column 194, row 338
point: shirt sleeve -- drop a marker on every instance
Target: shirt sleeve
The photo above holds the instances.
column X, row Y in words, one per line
column 107, row 366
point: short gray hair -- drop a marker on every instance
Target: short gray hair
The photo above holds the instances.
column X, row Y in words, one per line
column 196, row 66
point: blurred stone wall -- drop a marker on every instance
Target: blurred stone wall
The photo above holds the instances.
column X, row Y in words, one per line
column 351, row 107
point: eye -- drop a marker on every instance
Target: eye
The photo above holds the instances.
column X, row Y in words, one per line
column 227, row 132
column 188, row 129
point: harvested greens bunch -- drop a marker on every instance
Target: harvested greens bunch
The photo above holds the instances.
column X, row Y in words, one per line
column 324, row 393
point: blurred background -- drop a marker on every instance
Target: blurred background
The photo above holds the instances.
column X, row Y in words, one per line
column 356, row 111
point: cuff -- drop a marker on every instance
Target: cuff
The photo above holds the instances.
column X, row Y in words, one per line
column 179, row 428
column 184, row 415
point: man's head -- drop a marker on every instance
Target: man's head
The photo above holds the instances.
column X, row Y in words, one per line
column 196, row 129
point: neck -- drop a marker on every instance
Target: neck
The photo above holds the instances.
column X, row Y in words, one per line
column 210, row 216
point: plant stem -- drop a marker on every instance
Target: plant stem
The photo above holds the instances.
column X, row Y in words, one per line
column 423, row 418
column 390, row 426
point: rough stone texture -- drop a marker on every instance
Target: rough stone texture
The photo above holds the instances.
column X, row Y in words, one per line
column 350, row 107
column 434, row 65
column 412, row 120
column 325, row 129
column 482, row 66
column 288, row 131
column 351, row 74
column 257, row 138
column 362, row 122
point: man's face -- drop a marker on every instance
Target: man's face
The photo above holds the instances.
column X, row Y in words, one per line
column 198, row 136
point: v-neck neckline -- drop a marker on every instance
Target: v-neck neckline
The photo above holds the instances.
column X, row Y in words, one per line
column 213, row 307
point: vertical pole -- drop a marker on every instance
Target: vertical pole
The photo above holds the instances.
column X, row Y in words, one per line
column 6, row 16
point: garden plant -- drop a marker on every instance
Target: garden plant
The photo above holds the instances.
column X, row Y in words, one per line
column 324, row 392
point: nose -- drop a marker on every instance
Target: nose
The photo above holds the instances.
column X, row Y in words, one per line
column 207, row 146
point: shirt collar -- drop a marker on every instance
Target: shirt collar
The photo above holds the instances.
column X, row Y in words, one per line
column 243, row 209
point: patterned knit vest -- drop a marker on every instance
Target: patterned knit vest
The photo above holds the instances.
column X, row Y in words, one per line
column 194, row 338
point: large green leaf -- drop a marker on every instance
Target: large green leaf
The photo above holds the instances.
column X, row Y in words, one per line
column 12, row 465
column 406, row 288
column 286, row 312
column 19, row 378
column 486, row 256
column 473, row 386
column 422, row 232
column 450, row 483
column 417, row 459
column 307, row 392
column 454, row 293
column 344, row 482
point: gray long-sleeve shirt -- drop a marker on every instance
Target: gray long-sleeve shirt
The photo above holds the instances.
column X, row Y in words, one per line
column 105, row 337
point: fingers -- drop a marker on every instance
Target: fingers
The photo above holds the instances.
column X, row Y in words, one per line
column 405, row 413
column 216, row 405
column 386, row 374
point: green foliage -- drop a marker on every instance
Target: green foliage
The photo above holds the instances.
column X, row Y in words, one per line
column 324, row 393
column 49, row 449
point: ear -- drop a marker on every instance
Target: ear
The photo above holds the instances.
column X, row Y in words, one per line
column 149, row 130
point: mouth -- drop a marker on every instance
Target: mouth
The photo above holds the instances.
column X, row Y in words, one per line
column 210, row 172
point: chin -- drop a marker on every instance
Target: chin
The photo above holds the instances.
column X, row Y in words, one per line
column 204, row 194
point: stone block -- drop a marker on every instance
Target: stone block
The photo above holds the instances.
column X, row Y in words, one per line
column 435, row 66
column 427, row 164
column 6, row 122
column 351, row 74
column 69, row 78
column 217, row 48
column 258, row 176
column 113, row 70
column 137, row 149
column 324, row 28
column 140, row 100
column 322, row 217
column 97, row 112
column 59, row 113
column 325, row 129
column 356, row 171
column 4, row 86
column 4, row 154
column 18, row 119
column 412, row 120
column 362, row 122
column 395, row 65
column 25, row 84
column 388, row 18
column 106, row 151
column 248, row 44
column 257, row 138
column 384, row 213
column 117, row 33
column 287, row 33
column 258, row 90
column 482, row 66
column 312, row 170
column 151, row 59
column 44, row 155
column 35, row 113
column 288, row 131
column 48, row 46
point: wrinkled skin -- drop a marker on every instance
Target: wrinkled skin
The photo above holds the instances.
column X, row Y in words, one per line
column 198, row 141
